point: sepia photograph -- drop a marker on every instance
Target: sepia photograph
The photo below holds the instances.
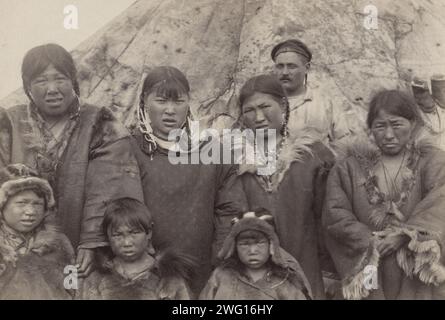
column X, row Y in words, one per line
column 222, row 150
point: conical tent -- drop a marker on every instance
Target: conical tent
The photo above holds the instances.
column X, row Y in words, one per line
column 219, row 44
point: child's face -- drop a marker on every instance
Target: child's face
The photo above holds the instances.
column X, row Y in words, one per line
column 24, row 211
column 253, row 251
column 128, row 243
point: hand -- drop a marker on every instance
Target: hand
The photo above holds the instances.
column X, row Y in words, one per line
column 390, row 243
column 85, row 258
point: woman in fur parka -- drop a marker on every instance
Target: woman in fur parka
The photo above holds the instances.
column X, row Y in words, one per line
column 383, row 215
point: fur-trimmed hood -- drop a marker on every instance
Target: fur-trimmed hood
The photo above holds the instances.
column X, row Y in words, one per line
column 18, row 177
column 278, row 256
column 250, row 221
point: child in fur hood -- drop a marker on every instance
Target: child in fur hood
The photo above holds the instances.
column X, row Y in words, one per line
column 33, row 253
column 133, row 270
column 254, row 265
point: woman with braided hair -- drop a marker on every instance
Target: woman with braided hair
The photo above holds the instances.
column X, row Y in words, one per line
column 81, row 149
column 192, row 204
column 293, row 192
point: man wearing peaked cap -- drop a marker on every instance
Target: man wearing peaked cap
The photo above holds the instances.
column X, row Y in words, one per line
column 309, row 107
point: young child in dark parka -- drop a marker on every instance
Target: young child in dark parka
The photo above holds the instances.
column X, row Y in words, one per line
column 254, row 265
column 33, row 253
column 133, row 270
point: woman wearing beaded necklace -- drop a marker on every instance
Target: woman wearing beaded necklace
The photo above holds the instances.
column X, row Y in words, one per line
column 383, row 213
column 294, row 189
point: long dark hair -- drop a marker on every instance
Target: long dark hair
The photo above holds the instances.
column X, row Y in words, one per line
column 267, row 84
column 396, row 103
column 167, row 82
column 123, row 211
column 129, row 212
column 39, row 58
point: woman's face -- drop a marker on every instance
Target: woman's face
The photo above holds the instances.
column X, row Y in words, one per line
column 166, row 114
column 391, row 132
column 262, row 111
column 52, row 92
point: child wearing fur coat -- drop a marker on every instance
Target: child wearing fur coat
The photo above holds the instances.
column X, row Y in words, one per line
column 254, row 265
column 133, row 270
column 33, row 253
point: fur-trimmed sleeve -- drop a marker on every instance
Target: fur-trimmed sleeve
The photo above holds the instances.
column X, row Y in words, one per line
column 423, row 255
column 323, row 162
column 112, row 173
column 5, row 139
column 230, row 201
column 348, row 240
